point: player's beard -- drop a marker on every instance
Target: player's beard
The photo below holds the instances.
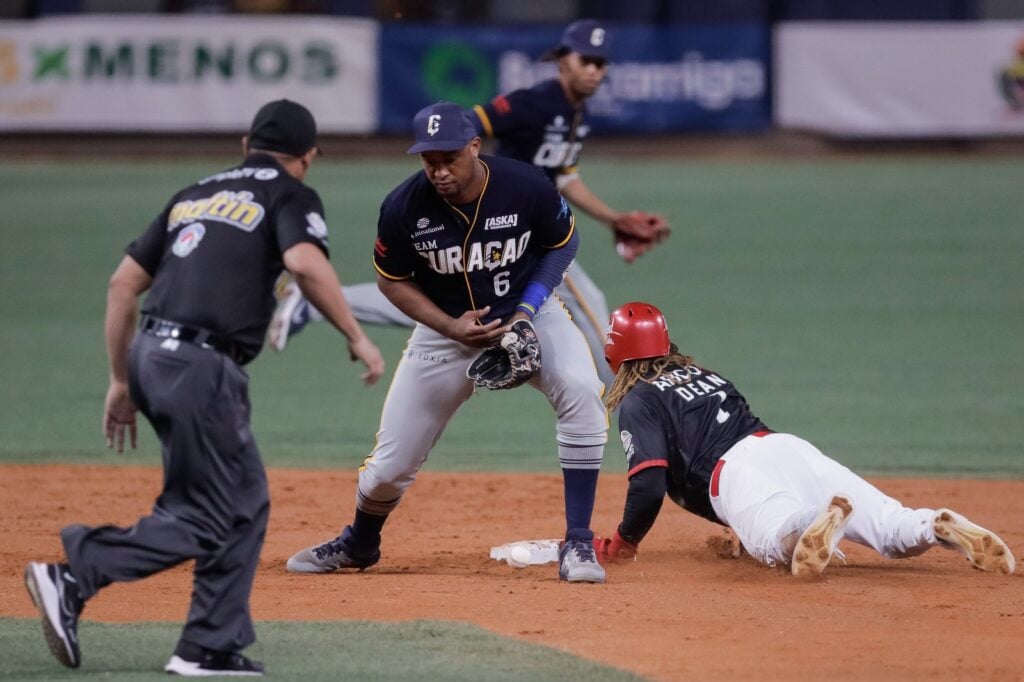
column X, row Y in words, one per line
column 587, row 86
column 583, row 87
column 447, row 189
column 457, row 191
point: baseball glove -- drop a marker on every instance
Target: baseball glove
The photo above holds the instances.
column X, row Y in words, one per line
column 511, row 363
column 637, row 232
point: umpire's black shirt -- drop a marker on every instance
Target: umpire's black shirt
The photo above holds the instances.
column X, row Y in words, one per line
column 202, row 248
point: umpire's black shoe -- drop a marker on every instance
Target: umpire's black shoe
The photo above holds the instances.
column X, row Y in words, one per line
column 192, row 660
column 55, row 593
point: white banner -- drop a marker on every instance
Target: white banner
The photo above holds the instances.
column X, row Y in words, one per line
column 184, row 73
column 900, row 79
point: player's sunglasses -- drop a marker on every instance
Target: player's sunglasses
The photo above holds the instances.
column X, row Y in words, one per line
column 596, row 61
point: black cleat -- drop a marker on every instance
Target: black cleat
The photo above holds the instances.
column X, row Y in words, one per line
column 55, row 593
column 192, row 660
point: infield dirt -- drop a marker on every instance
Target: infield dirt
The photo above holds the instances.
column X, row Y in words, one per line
column 681, row 611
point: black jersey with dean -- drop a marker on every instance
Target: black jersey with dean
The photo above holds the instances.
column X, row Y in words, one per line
column 684, row 420
column 480, row 254
column 201, row 248
column 536, row 125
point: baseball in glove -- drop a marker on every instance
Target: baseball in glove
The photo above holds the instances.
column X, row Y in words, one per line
column 511, row 363
column 637, row 232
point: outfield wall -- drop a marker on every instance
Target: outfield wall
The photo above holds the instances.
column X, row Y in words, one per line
column 191, row 73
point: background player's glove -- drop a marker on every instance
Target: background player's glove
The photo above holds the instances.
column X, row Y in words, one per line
column 637, row 232
column 614, row 548
column 511, row 363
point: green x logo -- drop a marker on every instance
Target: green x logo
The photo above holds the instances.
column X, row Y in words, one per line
column 51, row 62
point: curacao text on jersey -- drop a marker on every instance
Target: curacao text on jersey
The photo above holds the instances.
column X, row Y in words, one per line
column 482, row 255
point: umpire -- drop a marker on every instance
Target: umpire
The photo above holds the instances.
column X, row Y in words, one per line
column 210, row 261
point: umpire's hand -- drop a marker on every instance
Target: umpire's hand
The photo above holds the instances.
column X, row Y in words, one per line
column 364, row 350
column 118, row 413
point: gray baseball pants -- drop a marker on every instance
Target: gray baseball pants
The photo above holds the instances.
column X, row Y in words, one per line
column 430, row 385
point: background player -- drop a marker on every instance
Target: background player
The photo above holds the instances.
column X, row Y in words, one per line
column 466, row 247
column 544, row 125
column 689, row 433
column 210, row 260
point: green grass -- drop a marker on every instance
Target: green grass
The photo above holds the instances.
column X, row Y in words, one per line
column 873, row 306
column 310, row 651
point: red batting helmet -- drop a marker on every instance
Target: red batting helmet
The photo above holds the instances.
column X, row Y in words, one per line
column 637, row 330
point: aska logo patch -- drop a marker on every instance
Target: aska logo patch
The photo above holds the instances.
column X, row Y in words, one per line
column 502, row 222
column 188, row 239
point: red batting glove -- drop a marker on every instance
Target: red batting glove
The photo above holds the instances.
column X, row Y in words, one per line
column 613, row 549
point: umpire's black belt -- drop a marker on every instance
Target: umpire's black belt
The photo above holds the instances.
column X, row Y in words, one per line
column 201, row 337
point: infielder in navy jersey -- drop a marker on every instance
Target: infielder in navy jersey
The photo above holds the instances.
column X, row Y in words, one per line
column 466, row 248
column 209, row 261
column 544, row 125
column 689, row 433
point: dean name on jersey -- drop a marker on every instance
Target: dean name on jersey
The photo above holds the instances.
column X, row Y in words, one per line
column 686, row 382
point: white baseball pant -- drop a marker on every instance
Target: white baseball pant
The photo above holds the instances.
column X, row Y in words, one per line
column 770, row 488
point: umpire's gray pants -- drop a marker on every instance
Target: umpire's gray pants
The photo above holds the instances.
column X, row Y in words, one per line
column 214, row 505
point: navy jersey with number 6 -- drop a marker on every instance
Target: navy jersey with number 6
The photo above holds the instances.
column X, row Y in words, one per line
column 536, row 125
column 684, row 420
column 470, row 256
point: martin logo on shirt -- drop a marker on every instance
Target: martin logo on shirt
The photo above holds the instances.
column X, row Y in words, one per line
column 237, row 209
column 502, row 222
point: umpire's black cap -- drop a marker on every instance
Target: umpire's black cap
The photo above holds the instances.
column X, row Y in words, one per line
column 442, row 127
column 283, row 126
column 586, row 37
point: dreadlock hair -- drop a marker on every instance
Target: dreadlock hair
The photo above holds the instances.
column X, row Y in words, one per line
column 645, row 369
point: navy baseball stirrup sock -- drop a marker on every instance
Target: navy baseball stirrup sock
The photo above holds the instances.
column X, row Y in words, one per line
column 366, row 529
column 580, row 490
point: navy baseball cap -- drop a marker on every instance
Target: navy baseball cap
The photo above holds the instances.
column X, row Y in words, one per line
column 442, row 127
column 586, row 36
column 283, row 126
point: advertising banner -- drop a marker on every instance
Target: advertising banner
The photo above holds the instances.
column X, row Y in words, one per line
column 184, row 73
column 907, row 80
column 668, row 78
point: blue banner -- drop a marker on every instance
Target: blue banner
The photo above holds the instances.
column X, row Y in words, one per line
column 686, row 77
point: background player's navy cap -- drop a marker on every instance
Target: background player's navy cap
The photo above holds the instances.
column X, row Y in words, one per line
column 586, row 36
column 283, row 126
column 442, row 127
